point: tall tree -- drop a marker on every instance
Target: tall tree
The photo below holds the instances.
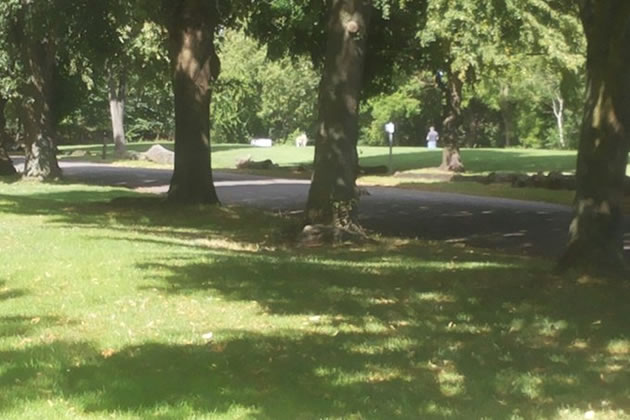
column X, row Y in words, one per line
column 7, row 87
column 335, row 34
column 6, row 165
column 35, row 37
column 191, row 27
column 50, row 42
column 333, row 195
column 596, row 234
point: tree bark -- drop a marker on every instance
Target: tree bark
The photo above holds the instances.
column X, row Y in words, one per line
column 558, row 112
column 195, row 63
column 451, row 155
column 117, row 95
column 596, row 231
column 333, row 196
column 507, row 114
column 6, row 165
column 39, row 138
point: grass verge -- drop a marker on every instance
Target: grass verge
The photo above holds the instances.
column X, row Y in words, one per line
column 132, row 309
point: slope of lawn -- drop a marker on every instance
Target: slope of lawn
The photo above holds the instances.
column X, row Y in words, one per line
column 133, row 309
column 225, row 156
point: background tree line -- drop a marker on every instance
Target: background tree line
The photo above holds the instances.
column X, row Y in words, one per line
column 539, row 104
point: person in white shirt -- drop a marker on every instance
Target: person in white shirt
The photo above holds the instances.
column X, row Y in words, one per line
column 432, row 138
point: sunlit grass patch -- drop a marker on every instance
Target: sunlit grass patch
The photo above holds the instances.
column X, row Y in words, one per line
column 134, row 309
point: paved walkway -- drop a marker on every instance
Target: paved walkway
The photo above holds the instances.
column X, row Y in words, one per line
column 512, row 225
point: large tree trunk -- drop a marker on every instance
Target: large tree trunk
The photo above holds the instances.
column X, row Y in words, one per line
column 117, row 93
column 333, row 196
column 6, row 165
column 451, row 156
column 195, row 63
column 596, row 232
column 39, row 137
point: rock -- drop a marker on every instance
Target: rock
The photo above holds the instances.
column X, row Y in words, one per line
column 558, row 181
column 159, row 154
column 318, row 235
column 520, row 181
column 80, row 153
column 539, row 180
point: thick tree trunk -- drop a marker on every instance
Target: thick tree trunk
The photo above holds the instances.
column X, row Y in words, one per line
column 596, row 232
column 451, row 155
column 6, row 165
column 195, row 63
column 117, row 94
column 39, row 143
column 333, row 196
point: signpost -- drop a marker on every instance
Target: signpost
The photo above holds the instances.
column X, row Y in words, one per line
column 390, row 129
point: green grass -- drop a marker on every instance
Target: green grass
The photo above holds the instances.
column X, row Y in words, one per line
column 225, row 156
column 106, row 309
column 477, row 161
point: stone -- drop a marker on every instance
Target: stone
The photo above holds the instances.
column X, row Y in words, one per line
column 159, row 154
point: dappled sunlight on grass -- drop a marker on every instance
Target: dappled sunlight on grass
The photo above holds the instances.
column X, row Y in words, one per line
column 132, row 309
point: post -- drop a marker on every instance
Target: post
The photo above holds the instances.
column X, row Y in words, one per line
column 391, row 145
column 390, row 128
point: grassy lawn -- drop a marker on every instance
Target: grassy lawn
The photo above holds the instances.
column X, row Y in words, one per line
column 132, row 309
column 225, row 156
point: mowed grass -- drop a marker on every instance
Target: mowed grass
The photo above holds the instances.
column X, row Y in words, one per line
column 134, row 309
column 225, row 156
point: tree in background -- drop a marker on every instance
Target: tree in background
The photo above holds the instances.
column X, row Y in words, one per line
column 332, row 198
column 7, row 90
column 471, row 43
column 335, row 34
column 259, row 96
column 596, row 232
column 6, row 165
column 49, row 43
column 191, row 26
column 414, row 106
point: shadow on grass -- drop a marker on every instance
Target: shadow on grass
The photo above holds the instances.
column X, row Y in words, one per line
column 400, row 336
column 401, row 332
column 119, row 209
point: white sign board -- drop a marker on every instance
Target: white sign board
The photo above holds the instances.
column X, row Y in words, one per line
column 261, row 142
column 390, row 128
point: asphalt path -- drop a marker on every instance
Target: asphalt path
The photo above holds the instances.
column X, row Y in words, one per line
column 513, row 226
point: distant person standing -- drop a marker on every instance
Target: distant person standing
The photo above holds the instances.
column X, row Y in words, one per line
column 432, row 138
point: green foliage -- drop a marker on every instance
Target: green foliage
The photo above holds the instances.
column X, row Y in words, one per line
column 515, row 57
column 260, row 97
column 413, row 107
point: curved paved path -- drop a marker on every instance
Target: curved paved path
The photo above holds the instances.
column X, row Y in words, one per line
column 512, row 225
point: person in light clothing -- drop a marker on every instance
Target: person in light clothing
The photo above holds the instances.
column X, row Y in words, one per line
column 432, row 138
